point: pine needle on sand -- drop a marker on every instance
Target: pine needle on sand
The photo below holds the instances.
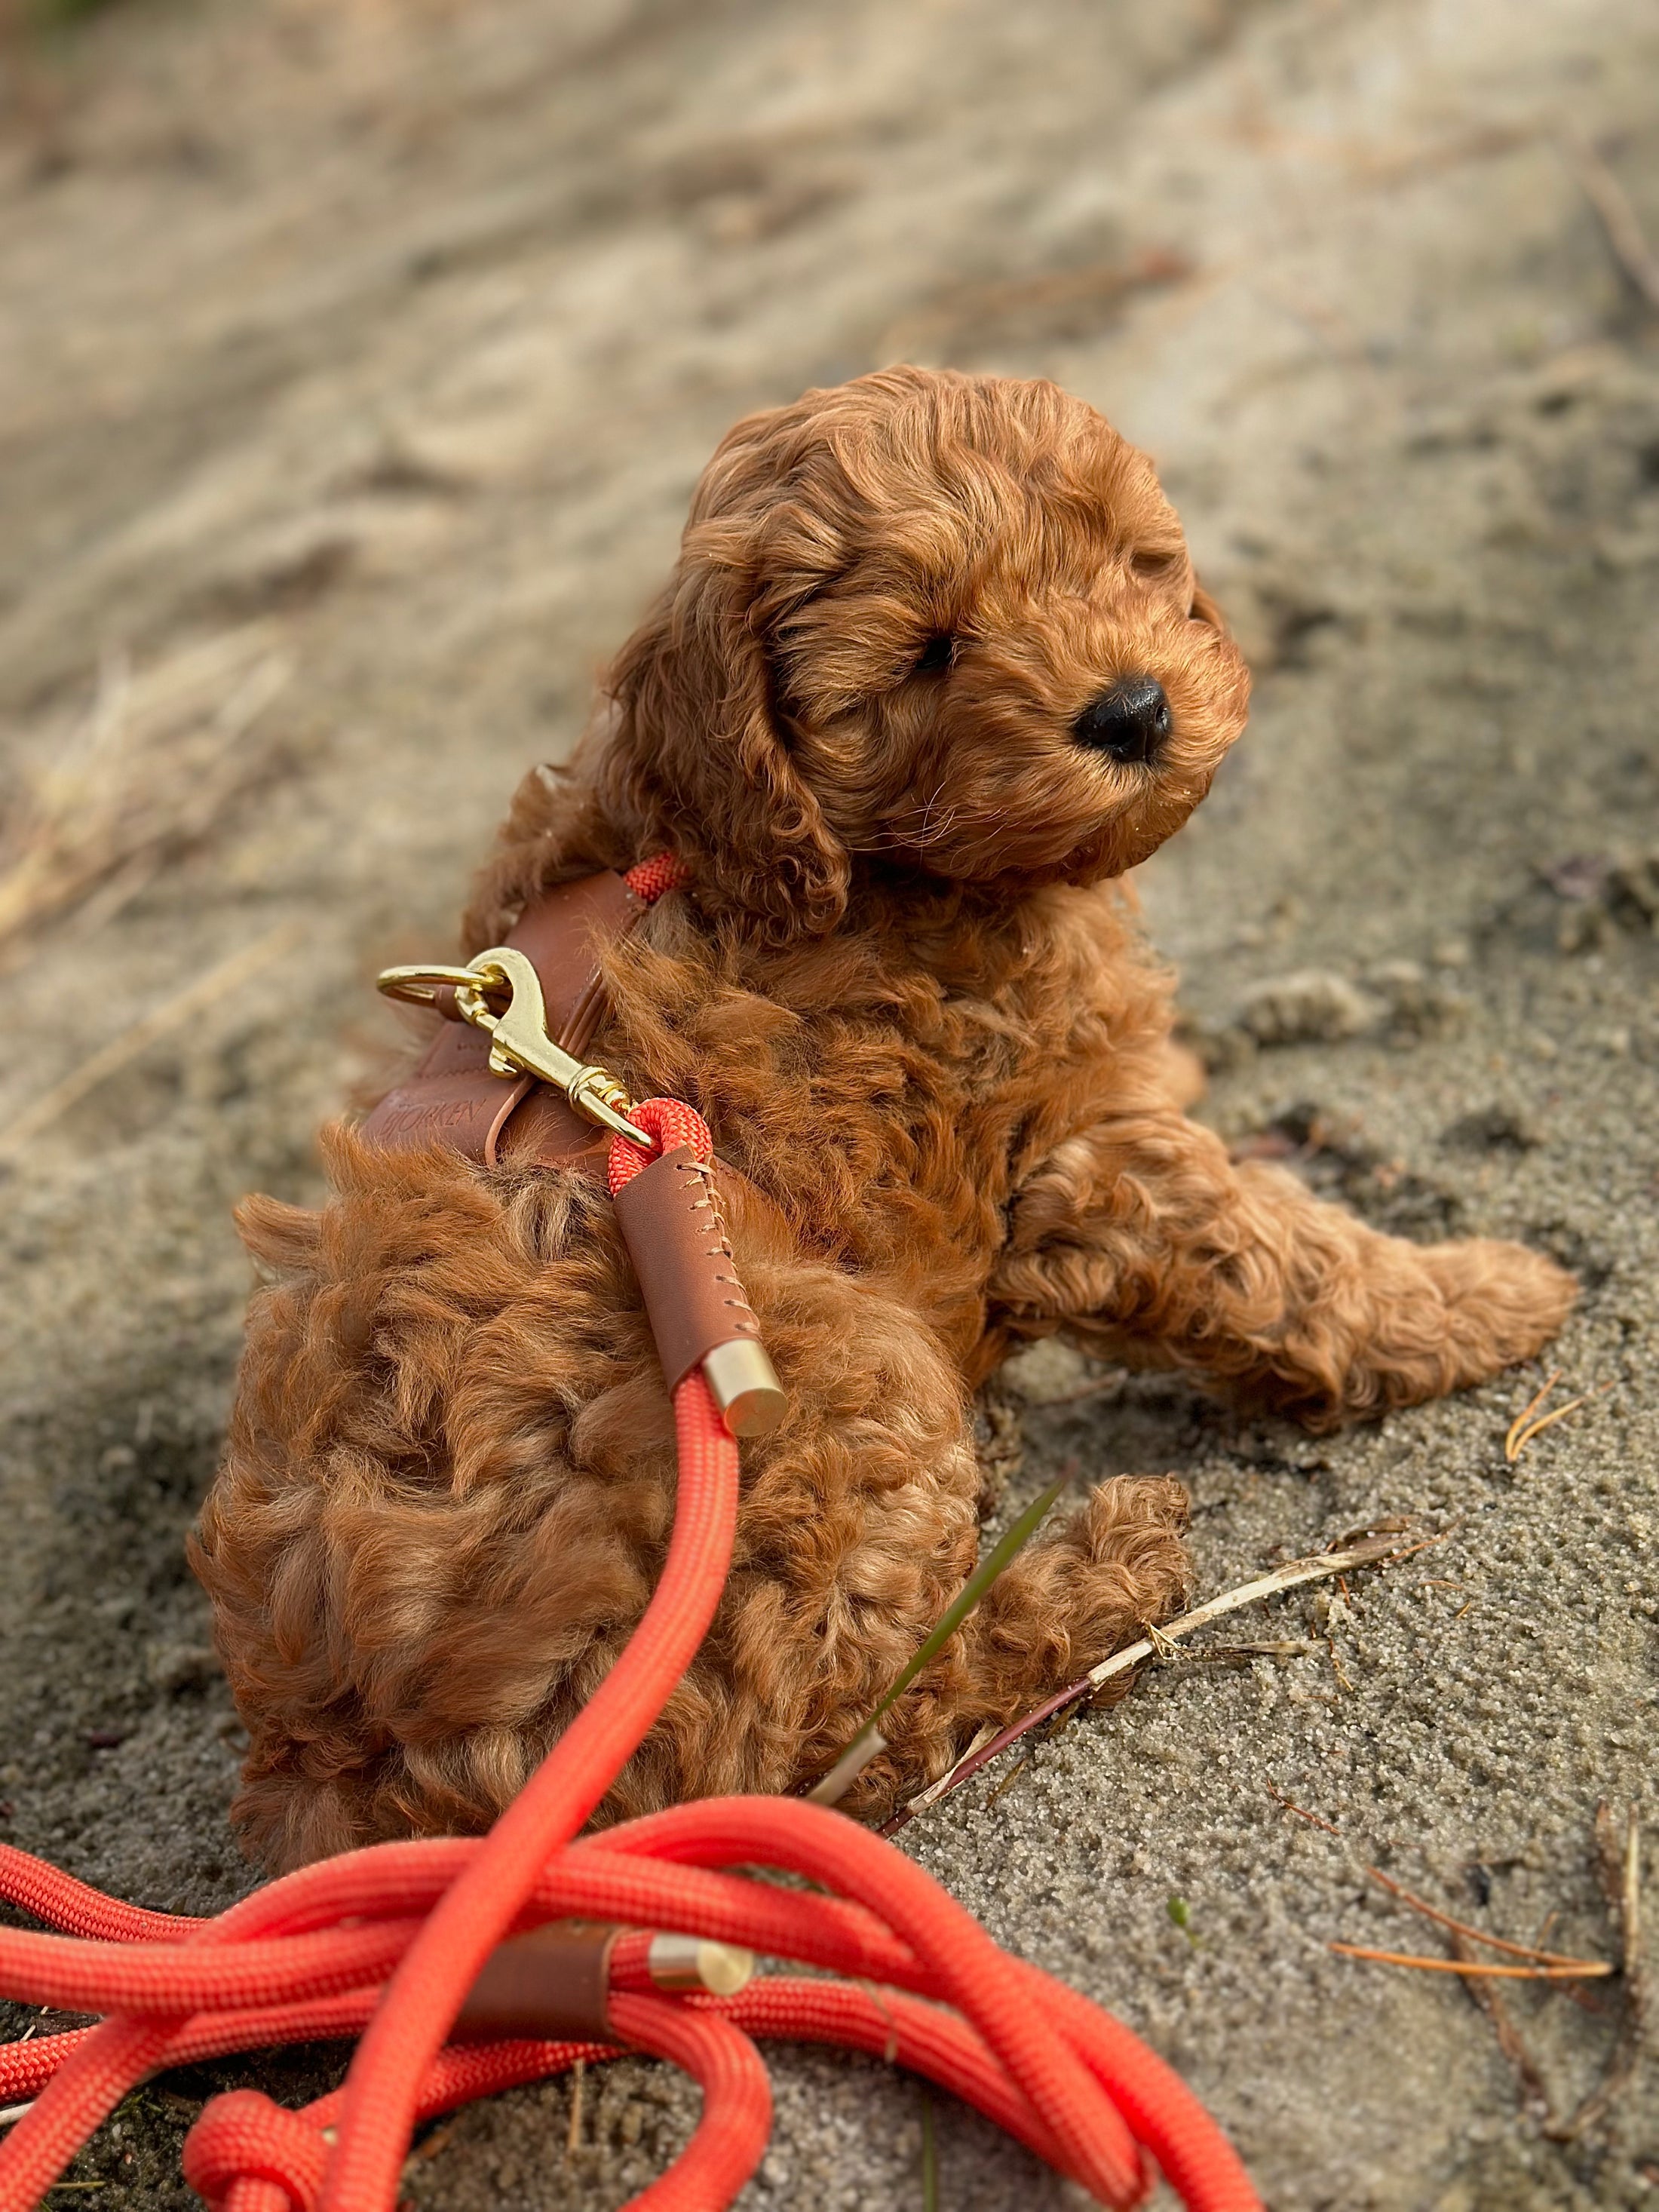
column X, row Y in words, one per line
column 1585, row 1970
column 1524, row 1428
column 1531, row 1951
column 1619, row 1867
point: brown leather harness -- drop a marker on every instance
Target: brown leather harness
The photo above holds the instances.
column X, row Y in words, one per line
column 670, row 1212
column 454, row 1099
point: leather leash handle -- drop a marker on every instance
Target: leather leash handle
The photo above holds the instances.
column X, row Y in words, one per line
column 670, row 1217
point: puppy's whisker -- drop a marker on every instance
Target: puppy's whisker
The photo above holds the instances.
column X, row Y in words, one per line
column 928, row 831
column 931, row 829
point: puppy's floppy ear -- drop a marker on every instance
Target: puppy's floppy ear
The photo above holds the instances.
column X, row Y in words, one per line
column 1205, row 609
column 698, row 755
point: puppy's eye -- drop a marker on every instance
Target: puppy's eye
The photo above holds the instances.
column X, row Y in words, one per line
column 1152, row 568
column 938, row 653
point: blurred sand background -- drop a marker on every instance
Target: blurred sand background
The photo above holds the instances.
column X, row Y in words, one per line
column 356, row 360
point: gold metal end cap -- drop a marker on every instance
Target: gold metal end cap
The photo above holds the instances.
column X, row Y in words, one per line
column 745, row 1387
column 691, row 1962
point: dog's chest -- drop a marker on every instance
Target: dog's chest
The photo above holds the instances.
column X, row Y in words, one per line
column 893, row 1094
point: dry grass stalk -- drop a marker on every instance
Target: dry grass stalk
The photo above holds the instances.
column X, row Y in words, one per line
column 1156, row 1643
column 147, row 773
column 172, row 1014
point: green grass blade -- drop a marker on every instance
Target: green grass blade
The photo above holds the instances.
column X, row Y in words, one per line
column 1002, row 1555
column 868, row 1743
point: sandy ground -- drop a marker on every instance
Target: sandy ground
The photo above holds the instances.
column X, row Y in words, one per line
column 356, row 362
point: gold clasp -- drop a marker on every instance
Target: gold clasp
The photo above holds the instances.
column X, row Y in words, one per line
column 519, row 1042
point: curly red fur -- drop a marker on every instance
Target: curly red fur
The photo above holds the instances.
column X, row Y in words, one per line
column 905, row 987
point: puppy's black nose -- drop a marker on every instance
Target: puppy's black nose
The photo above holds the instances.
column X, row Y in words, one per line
column 1127, row 723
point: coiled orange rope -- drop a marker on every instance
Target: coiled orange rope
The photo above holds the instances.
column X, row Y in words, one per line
column 386, row 1943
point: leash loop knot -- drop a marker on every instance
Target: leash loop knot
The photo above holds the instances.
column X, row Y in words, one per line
column 247, row 2155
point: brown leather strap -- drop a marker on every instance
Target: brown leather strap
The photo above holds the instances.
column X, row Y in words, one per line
column 550, row 1985
column 670, row 1215
column 562, row 933
column 452, row 1098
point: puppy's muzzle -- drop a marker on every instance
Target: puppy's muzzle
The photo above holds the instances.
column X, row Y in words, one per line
column 1128, row 723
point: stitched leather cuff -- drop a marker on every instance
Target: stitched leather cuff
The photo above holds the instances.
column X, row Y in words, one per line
column 552, row 1982
column 670, row 1215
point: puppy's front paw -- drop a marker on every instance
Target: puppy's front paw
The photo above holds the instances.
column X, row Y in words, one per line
column 1503, row 1304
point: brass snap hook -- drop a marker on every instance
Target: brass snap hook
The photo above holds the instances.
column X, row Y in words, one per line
column 519, row 1042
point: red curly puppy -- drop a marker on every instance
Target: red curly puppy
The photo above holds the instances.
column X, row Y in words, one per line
column 931, row 674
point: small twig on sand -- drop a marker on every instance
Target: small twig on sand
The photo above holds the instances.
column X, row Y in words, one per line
column 172, row 1014
column 434, row 2143
column 1391, row 1524
column 573, row 2133
column 1301, row 1814
column 1535, row 2097
column 1282, row 1647
column 1586, row 1970
column 1291, row 1576
column 1476, row 1934
column 1618, row 218
column 1009, row 1778
column 1621, row 1883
